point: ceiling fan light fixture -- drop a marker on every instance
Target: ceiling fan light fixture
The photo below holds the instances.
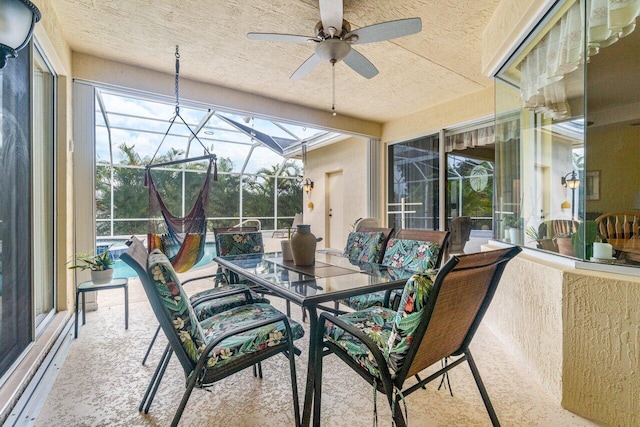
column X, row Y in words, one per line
column 333, row 49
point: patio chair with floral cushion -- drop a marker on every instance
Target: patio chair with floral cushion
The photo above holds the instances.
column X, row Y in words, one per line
column 413, row 250
column 367, row 245
column 437, row 319
column 216, row 347
column 218, row 298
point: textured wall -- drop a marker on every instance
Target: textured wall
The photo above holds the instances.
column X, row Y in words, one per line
column 509, row 21
column 526, row 314
column 474, row 106
column 602, row 347
column 350, row 157
column 577, row 332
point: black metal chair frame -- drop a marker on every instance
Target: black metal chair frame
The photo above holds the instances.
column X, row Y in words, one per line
column 197, row 374
column 388, row 385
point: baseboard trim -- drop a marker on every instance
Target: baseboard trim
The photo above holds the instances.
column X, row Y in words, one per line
column 26, row 410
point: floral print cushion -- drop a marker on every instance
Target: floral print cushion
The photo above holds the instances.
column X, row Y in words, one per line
column 360, row 302
column 412, row 304
column 195, row 335
column 239, row 243
column 176, row 303
column 391, row 331
column 375, row 322
column 208, row 303
column 412, row 255
column 364, row 246
column 236, row 346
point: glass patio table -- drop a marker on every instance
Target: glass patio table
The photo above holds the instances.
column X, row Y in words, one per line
column 331, row 278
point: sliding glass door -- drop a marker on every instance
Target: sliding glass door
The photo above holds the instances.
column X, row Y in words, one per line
column 414, row 173
column 15, row 211
column 43, row 188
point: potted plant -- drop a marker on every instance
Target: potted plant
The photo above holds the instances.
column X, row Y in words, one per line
column 513, row 225
column 541, row 241
column 100, row 264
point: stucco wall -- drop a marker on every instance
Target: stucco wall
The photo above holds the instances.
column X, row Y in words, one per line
column 473, row 106
column 602, row 347
column 350, row 157
column 577, row 332
column 511, row 20
column 526, row 314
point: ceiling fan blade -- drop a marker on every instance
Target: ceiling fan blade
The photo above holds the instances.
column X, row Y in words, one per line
column 360, row 64
column 287, row 38
column 306, row 67
column 386, row 30
column 331, row 14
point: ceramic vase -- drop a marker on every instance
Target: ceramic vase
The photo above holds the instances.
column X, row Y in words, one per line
column 286, row 250
column 303, row 246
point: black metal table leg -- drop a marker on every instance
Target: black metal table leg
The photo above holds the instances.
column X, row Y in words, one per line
column 311, row 368
column 84, row 310
column 76, row 315
column 126, row 306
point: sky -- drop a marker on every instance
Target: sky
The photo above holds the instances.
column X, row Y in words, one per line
column 127, row 116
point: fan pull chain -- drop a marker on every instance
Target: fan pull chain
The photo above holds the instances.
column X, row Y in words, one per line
column 333, row 86
column 177, row 75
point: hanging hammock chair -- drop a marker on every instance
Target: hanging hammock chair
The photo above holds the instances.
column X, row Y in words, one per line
column 181, row 239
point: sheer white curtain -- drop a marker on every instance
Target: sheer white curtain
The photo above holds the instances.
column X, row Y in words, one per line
column 561, row 51
column 469, row 139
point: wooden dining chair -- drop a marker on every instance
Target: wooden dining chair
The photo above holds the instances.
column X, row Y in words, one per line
column 617, row 228
column 214, row 348
column 437, row 319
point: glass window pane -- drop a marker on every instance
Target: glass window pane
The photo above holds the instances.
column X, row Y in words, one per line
column 43, row 187
column 540, row 142
column 414, row 184
column 16, row 310
column 470, row 190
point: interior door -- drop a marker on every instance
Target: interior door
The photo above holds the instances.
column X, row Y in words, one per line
column 335, row 224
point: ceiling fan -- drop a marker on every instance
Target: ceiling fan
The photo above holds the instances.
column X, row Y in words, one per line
column 333, row 39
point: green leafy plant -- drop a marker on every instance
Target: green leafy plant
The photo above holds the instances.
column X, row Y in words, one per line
column 532, row 233
column 94, row 262
column 511, row 221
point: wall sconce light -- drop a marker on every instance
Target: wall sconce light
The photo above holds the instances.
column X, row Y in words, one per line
column 307, row 185
column 17, row 19
column 571, row 181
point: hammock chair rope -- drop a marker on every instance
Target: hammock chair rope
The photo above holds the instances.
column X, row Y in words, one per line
column 183, row 239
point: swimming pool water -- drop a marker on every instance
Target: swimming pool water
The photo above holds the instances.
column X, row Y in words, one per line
column 123, row 270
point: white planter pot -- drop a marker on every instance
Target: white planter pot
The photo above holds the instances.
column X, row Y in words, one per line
column 102, row 277
column 514, row 236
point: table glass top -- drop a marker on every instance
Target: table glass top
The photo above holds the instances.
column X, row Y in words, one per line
column 331, row 276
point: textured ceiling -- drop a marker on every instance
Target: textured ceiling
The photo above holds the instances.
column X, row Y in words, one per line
column 436, row 65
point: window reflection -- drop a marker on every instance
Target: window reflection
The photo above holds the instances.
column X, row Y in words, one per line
column 567, row 153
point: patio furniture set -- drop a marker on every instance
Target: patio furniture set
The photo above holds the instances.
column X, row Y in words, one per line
column 424, row 312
